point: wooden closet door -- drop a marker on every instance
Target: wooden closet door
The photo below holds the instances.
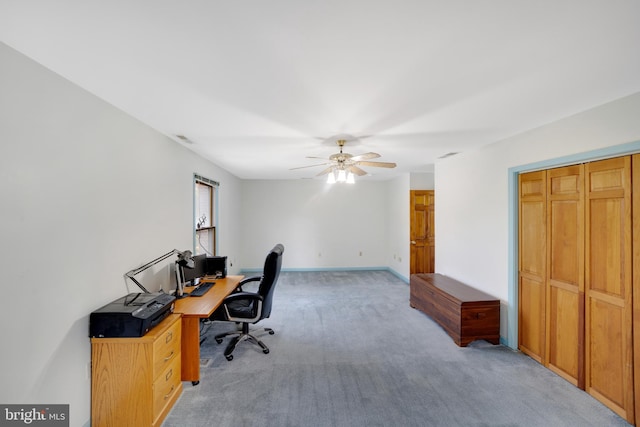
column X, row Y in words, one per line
column 565, row 273
column 532, row 264
column 608, row 305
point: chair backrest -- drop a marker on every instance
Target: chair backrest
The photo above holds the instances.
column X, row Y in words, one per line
column 270, row 276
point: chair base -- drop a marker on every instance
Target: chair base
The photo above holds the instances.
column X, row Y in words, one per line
column 242, row 335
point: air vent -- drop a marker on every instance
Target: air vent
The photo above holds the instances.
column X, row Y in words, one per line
column 453, row 153
column 184, row 139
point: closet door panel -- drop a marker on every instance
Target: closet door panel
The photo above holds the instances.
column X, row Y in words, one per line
column 608, row 328
column 532, row 264
column 564, row 334
column 565, row 280
column 531, row 323
column 606, row 353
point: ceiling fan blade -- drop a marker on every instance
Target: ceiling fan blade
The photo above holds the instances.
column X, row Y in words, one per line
column 356, row 170
column 313, row 157
column 365, row 156
column 310, row 166
column 378, row 164
column 326, row 171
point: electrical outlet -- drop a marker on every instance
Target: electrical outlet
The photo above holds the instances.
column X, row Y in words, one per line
column 360, row 253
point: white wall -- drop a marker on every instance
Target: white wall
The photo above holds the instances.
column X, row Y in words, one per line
column 398, row 226
column 473, row 199
column 321, row 225
column 422, row 181
column 87, row 193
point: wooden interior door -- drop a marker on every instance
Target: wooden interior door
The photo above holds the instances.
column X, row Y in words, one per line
column 565, row 273
column 423, row 246
column 532, row 264
column 608, row 305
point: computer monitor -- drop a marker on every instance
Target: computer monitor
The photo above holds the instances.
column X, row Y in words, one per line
column 191, row 276
column 217, row 266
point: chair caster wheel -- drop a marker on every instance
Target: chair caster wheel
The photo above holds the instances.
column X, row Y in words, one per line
column 271, row 332
column 195, row 383
column 265, row 351
column 229, row 357
column 219, row 340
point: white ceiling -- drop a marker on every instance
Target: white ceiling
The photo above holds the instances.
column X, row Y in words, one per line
column 258, row 85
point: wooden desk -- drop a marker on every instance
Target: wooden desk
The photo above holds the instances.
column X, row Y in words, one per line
column 193, row 309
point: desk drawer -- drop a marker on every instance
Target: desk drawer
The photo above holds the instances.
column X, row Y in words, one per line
column 166, row 348
column 166, row 385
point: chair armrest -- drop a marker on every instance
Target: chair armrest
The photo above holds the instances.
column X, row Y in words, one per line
column 243, row 296
column 247, row 280
column 254, row 299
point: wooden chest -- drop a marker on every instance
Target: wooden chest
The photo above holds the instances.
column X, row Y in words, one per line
column 465, row 313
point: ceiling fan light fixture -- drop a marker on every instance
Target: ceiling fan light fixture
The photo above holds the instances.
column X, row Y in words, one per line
column 350, row 178
column 343, row 167
column 341, row 176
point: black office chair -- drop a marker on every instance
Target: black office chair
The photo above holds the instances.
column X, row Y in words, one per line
column 248, row 307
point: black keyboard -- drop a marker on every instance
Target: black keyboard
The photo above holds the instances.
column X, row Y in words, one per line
column 202, row 289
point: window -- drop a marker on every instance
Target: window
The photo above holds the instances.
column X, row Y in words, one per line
column 205, row 218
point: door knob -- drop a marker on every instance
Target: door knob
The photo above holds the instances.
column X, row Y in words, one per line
column 413, row 242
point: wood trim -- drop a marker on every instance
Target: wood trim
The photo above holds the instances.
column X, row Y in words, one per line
column 635, row 212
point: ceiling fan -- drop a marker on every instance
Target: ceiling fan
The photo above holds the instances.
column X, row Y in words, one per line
column 342, row 164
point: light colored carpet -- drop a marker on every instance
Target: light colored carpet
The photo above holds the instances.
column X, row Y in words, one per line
column 349, row 351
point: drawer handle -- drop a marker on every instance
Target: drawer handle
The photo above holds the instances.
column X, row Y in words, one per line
column 169, row 375
column 166, row 396
column 169, row 357
column 169, row 337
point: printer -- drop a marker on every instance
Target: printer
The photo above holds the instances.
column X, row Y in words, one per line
column 130, row 316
